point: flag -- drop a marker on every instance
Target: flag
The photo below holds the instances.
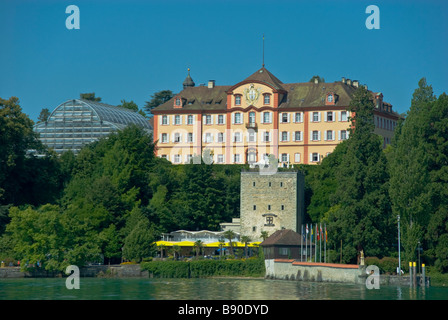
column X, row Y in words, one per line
column 325, row 233
column 312, row 233
column 317, row 233
column 307, row 228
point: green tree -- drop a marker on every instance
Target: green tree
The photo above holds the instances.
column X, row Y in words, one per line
column 43, row 115
column 157, row 99
column 245, row 240
column 230, row 234
column 410, row 170
column 131, row 105
column 363, row 218
column 198, row 246
column 137, row 243
column 89, row 96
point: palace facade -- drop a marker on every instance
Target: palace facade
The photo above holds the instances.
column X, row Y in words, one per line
column 299, row 123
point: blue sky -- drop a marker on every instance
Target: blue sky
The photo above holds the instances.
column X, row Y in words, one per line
column 132, row 49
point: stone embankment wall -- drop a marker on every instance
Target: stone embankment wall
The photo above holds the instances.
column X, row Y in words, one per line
column 119, row 271
column 290, row 269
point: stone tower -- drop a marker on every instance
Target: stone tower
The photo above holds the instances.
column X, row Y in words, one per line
column 271, row 202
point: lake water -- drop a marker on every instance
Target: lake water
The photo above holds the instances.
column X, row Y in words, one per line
column 205, row 289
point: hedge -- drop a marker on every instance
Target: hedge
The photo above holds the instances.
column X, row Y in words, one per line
column 253, row 267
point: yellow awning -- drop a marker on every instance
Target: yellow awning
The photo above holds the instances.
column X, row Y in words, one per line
column 184, row 243
column 164, row 243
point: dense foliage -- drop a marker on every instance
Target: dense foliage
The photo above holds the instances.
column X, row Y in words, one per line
column 253, row 267
column 113, row 199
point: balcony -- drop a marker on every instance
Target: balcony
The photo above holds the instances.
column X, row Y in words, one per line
column 251, row 125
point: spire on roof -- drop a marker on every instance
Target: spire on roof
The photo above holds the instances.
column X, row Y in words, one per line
column 188, row 82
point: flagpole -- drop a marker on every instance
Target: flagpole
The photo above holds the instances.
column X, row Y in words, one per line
column 311, row 245
column 306, row 243
column 301, row 244
column 320, row 242
column 315, row 246
column 325, row 244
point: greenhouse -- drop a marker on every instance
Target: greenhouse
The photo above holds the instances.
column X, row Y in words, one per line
column 78, row 122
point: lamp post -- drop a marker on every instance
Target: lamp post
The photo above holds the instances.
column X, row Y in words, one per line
column 399, row 253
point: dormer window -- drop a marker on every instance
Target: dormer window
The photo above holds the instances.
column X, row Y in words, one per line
column 330, row 99
column 177, row 102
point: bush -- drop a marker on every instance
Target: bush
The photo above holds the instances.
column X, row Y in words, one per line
column 253, row 267
column 386, row 264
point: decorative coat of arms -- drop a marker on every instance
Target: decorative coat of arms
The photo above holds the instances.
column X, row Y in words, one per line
column 251, row 94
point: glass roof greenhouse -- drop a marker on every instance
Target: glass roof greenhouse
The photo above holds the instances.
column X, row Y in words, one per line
column 78, row 122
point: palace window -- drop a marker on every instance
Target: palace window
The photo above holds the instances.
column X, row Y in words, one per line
column 298, row 117
column 220, row 119
column 238, row 118
column 329, row 135
column 190, row 137
column 330, row 116
column 190, row 119
column 298, row 136
column 315, row 135
column 316, row 116
column 266, row 117
column 343, row 116
column 164, row 137
column 177, row 119
column 177, row 137
column 267, row 98
column 208, row 119
column 237, row 100
column 285, row 117
column 165, row 120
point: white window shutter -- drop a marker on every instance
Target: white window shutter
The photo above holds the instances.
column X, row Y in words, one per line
column 288, row 115
column 261, row 117
column 233, row 118
column 311, row 135
column 347, row 133
column 224, row 116
column 318, row 116
column 325, row 135
column 167, row 119
column 333, row 135
column 318, row 135
column 311, row 157
column 287, row 135
column 160, row 138
column 326, row 116
column 318, row 157
column 287, row 157
column 242, row 118
column 339, row 134
column 340, row 116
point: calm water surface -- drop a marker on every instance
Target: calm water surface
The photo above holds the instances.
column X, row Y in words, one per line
column 205, row 289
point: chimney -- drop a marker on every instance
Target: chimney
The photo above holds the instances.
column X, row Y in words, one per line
column 211, row 84
column 343, row 80
column 356, row 83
